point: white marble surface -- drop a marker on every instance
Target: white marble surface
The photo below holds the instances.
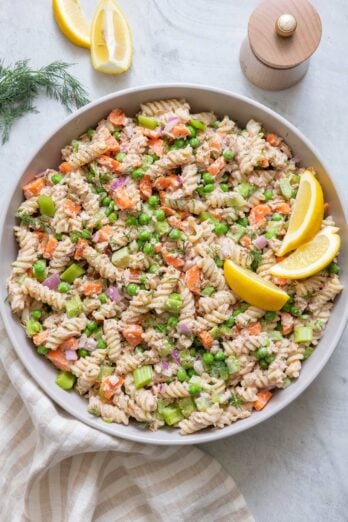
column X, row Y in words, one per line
column 294, row 467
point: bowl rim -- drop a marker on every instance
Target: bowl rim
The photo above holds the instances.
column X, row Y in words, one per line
column 199, row 437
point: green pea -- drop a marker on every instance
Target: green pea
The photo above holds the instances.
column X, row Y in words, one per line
column 277, row 217
column 161, row 328
column 40, row 269
column 120, row 156
column 261, row 353
column 193, row 352
column 268, row 195
column 228, row 155
column 100, row 190
column 81, row 352
column 243, row 221
column 182, row 375
column 192, row 130
column 113, row 217
column 138, row 173
column 108, row 211
column 144, row 235
column 74, row 236
column 160, row 215
column 263, row 364
column 220, row 356
column 103, row 298
column 334, row 268
column 194, row 142
column 131, row 221
column 208, row 188
column 42, row 350
column 207, row 178
column 86, row 234
column 56, row 178
column 208, row 358
column 175, row 234
column 106, row 201
column 153, row 201
column 219, row 262
column 144, row 219
column 270, row 316
column 172, row 322
column 230, row 322
column 90, row 177
column 63, row 288
column 153, row 269
column 224, row 187
column 91, row 326
column 178, row 144
column 195, row 389
column 90, row 133
column 221, row 229
column 101, row 344
column 36, row 314
column 58, row 237
column 148, row 249
column 112, row 205
column 132, row 289
column 116, row 134
column 191, row 372
column 296, row 312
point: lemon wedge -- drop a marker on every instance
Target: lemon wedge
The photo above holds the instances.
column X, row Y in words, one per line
column 311, row 257
column 72, row 22
column 252, row 288
column 111, row 39
column 307, row 214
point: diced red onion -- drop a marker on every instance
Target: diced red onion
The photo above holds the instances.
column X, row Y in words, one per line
column 179, row 180
column 118, row 183
column 114, row 294
column 296, row 158
column 165, row 365
column 70, row 355
column 88, row 343
column 184, row 328
column 40, row 174
column 198, row 367
column 124, row 147
column 52, row 281
column 161, row 387
column 176, row 356
column 171, row 122
column 260, row 242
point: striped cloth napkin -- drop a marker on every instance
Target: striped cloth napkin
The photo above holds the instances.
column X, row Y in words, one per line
column 54, row 468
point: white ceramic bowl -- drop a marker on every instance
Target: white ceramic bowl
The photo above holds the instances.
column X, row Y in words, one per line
column 201, row 99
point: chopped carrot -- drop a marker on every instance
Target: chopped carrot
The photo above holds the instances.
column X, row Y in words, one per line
column 193, row 276
column 30, row 272
column 57, row 357
column 80, row 246
column 206, row 339
column 262, row 399
column 279, row 259
column 175, row 222
column 167, row 210
column 34, row 187
column 104, row 135
column 287, row 322
column 92, row 288
column 254, row 329
column 156, row 144
column 49, row 246
column 258, row 213
column 145, row 187
column 122, row 200
column 216, row 214
column 69, row 344
column 282, row 208
column 71, row 209
column 326, row 207
column 149, row 133
column 281, row 281
column 158, row 248
column 164, row 182
column 65, row 167
column 245, row 242
column 174, row 261
column 133, row 333
column 41, row 235
column 109, row 163
column 273, row 139
column 183, row 214
column 216, row 167
column 110, row 384
column 134, row 273
column 117, row 117
column 162, row 196
column 264, row 163
column 215, row 144
column 180, row 131
column 103, row 234
column 40, row 337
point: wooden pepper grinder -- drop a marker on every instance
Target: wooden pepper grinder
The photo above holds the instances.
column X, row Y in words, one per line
column 282, row 35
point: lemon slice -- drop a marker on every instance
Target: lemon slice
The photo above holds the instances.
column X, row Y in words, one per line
column 307, row 214
column 111, row 39
column 72, row 21
column 311, row 257
column 252, row 288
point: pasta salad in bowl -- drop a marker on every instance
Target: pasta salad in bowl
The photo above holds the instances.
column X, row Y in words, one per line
column 145, row 271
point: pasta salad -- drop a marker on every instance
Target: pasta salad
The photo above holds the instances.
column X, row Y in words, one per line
column 119, row 281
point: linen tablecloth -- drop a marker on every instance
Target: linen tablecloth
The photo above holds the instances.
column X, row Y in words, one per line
column 54, row 468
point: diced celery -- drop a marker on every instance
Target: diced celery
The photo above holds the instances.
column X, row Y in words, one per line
column 238, row 231
column 235, row 200
column 161, row 404
column 202, row 403
column 308, row 352
column 185, row 359
column 224, row 330
column 33, row 327
column 40, row 269
column 72, row 272
column 162, row 227
column 286, row 188
column 173, row 304
column 197, row 124
column 146, row 121
column 74, row 306
column 208, row 291
column 303, row 334
column 142, row 376
column 215, row 332
column 120, row 258
column 245, row 189
column 187, row 406
column 46, row 205
column 171, row 415
column 65, row 380
column 274, row 227
column 232, row 364
column 166, row 348
column 105, row 371
column 220, row 369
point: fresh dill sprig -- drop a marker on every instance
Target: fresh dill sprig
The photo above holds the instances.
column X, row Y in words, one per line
column 20, row 85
